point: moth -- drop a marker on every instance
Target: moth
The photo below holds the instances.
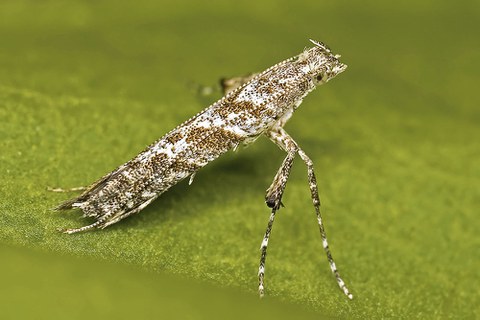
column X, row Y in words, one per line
column 259, row 105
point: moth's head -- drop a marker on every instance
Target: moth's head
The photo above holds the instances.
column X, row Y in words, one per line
column 320, row 63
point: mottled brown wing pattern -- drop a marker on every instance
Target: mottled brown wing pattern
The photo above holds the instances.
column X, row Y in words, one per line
column 262, row 104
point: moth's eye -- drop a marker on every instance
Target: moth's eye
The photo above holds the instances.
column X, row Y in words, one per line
column 319, row 77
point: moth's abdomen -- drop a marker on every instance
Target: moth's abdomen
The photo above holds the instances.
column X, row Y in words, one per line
column 161, row 166
column 127, row 188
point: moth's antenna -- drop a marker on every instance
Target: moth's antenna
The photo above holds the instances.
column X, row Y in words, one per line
column 320, row 45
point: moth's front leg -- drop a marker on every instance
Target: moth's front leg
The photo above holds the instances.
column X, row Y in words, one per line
column 273, row 197
column 274, row 194
column 281, row 138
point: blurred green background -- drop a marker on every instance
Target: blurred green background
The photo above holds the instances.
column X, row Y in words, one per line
column 85, row 85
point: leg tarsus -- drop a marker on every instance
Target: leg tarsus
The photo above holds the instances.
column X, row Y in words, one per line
column 263, row 257
column 96, row 224
column 67, row 189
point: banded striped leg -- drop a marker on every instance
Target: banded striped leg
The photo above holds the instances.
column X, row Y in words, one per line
column 96, row 224
column 281, row 138
column 312, row 182
column 66, row 190
column 110, row 218
column 263, row 248
column 273, row 198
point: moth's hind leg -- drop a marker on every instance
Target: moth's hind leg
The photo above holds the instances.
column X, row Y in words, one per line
column 74, row 189
column 114, row 218
column 96, row 224
column 110, row 218
column 66, row 205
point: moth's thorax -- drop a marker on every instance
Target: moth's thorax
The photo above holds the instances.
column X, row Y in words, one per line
column 270, row 98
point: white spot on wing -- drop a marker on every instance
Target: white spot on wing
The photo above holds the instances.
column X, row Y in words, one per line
column 251, row 94
column 203, row 124
column 218, row 122
column 148, row 194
